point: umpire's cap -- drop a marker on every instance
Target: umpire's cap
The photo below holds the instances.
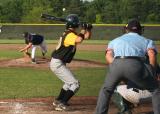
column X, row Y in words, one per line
column 134, row 26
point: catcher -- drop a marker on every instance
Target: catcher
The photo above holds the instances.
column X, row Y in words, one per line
column 126, row 96
column 64, row 54
column 32, row 41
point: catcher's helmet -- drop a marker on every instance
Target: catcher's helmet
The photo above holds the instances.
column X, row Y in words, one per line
column 72, row 21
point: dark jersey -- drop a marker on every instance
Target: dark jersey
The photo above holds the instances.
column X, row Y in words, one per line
column 66, row 48
column 35, row 39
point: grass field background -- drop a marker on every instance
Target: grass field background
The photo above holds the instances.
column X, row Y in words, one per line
column 29, row 83
column 16, row 82
column 97, row 42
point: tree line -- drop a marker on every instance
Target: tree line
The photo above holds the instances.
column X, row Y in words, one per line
column 96, row 11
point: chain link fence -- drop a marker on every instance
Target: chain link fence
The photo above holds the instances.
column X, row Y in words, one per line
column 53, row 31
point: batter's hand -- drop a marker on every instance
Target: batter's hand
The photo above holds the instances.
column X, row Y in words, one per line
column 86, row 26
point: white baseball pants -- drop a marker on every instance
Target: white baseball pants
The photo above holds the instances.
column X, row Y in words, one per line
column 64, row 74
column 42, row 46
column 132, row 96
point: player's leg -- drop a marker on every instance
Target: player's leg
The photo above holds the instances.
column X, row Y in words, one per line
column 43, row 47
column 72, row 89
column 143, row 78
column 156, row 101
column 113, row 77
column 71, row 84
column 33, row 53
column 123, row 105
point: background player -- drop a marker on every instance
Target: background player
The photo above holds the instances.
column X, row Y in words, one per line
column 32, row 41
column 63, row 54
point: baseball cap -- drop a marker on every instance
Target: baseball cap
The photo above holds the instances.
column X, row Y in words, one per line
column 134, row 25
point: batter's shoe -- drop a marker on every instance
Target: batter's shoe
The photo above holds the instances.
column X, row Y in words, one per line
column 56, row 102
column 61, row 107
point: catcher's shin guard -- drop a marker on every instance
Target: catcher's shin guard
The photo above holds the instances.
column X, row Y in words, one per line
column 122, row 104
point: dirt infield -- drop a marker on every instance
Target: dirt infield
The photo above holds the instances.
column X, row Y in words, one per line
column 78, row 105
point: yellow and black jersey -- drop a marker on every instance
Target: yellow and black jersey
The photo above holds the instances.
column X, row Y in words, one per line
column 66, row 48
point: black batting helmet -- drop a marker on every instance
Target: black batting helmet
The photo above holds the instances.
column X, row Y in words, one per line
column 72, row 21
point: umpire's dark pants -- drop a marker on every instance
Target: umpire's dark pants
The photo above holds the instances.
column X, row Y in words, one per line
column 133, row 70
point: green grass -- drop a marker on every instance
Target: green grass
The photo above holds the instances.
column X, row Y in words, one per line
column 91, row 80
column 97, row 42
column 10, row 54
column 84, row 55
column 29, row 82
column 91, row 55
column 17, row 41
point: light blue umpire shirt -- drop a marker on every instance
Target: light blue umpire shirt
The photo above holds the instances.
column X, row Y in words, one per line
column 131, row 44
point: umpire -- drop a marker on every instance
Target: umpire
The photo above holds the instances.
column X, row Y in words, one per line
column 125, row 56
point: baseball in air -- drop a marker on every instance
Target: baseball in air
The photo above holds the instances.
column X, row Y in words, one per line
column 64, row 9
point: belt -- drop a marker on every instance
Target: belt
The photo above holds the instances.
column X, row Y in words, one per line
column 129, row 57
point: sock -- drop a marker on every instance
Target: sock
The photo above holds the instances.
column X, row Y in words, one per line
column 67, row 96
column 61, row 94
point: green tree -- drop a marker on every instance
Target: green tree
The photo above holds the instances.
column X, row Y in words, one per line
column 33, row 16
column 96, row 11
column 111, row 12
column 89, row 13
column 11, row 11
column 33, row 12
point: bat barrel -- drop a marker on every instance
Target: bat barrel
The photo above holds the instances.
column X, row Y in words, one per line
column 50, row 17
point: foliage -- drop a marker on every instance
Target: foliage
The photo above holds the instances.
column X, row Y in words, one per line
column 96, row 11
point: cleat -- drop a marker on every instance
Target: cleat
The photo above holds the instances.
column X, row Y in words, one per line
column 61, row 107
column 56, row 102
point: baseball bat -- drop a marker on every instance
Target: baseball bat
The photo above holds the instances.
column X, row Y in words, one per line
column 53, row 18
